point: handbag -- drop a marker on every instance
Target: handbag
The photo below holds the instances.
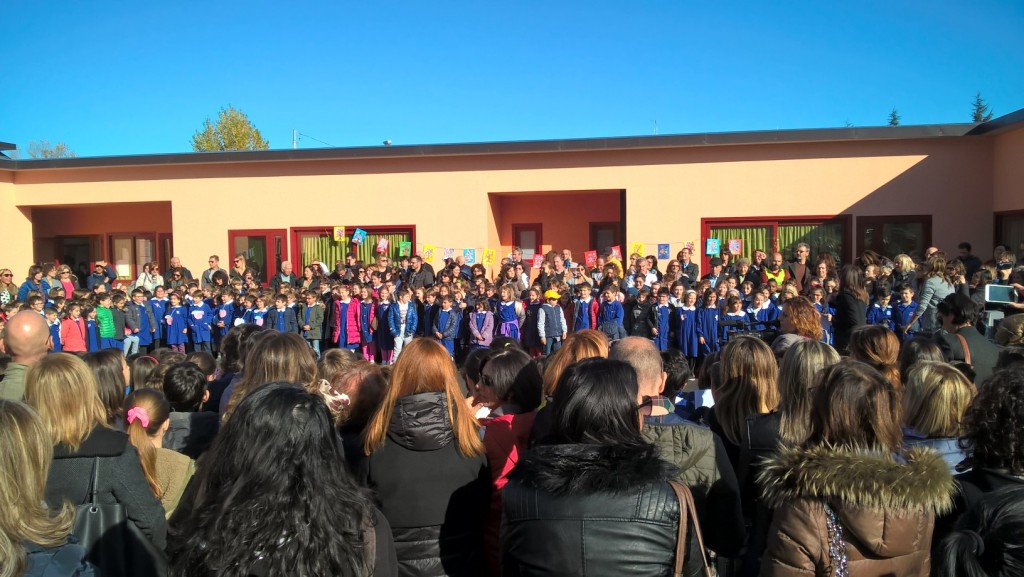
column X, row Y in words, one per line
column 112, row 543
column 688, row 514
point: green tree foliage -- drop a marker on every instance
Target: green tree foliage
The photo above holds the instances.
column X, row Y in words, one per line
column 232, row 131
column 894, row 117
column 982, row 112
column 41, row 149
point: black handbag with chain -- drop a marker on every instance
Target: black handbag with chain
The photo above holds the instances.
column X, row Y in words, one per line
column 113, row 543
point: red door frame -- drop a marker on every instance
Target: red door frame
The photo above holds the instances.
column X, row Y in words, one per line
column 268, row 234
column 296, row 247
column 536, row 227
column 707, row 223
column 616, row 226
column 997, row 228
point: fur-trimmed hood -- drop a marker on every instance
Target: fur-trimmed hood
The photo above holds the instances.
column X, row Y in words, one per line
column 588, row 469
column 860, row 478
column 881, row 502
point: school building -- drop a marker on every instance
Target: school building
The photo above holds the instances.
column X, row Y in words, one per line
column 845, row 190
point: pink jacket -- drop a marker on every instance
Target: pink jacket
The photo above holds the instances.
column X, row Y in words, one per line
column 73, row 338
column 352, row 325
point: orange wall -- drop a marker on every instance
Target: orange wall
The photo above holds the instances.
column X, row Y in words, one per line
column 1008, row 171
column 101, row 219
column 668, row 191
column 565, row 217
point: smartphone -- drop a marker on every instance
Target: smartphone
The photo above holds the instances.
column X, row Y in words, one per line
column 995, row 293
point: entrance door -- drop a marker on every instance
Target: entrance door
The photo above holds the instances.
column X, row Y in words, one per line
column 128, row 253
column 78, row 252
column 528, row 238
column 604, row 235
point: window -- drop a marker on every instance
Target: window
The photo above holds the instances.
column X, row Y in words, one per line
column 782, row 234
column 893, row 235
column 1010, row 231
column 528, row 238
column 604, row 235
column 263, row 249
column 317, row 243
column 129, row 253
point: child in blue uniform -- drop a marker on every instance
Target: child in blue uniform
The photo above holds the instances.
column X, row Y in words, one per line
column 662, row 316
column 734, row 314
column 707, row 324
column 510, row 314
column 880, row 313
column 158, row 304
column 686, row 327
column 200, row 322
column 903, row 312
column 176, row 320
column 611, row 316
column 446, row 324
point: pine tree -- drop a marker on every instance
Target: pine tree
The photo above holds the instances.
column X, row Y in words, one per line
column 894, row 117
column 982, row 111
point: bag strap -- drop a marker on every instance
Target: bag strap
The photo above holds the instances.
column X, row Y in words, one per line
column 95, row 482
column 687, row 513
column 967, row 349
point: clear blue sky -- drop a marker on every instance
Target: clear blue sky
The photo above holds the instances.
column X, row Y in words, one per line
column 140, row 77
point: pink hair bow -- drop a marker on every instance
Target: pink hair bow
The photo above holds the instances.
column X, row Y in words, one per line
column 138, row 414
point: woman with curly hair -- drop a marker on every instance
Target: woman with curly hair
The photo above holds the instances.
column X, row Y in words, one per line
column 272, row 498
column 798, row 321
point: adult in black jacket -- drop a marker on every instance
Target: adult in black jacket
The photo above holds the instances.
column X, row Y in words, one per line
column 425, row 461
column 594, row 499
column 851, row 304
column 959, row 315
column 420, row 274
column 63, row 390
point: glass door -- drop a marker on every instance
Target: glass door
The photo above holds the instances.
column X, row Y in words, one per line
column 528, row 238
column 129, row 253
column 264, row 250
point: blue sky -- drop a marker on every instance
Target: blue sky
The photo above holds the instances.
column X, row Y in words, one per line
column 140, row 77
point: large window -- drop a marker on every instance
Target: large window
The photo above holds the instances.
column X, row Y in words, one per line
column 893, row 235
column 263, row 249
column 782, row 234
column 129, row 253
column 1010, row 231
column 317, row 243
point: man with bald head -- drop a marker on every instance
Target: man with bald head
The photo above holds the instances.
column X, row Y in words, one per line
column 27, row 340
column 700, row 455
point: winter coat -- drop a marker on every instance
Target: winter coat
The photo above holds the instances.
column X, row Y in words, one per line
column 291, row 323
column 67, row 560
column 352, row 323
column 316, row 322
column 395, row 320
column 703, row 467
column 191, row 434
column 506, row 437
column 481, row 327
column 434, row 497
column 589, row 510
column 851, row 313
column 120, row 480
column 886, row 509
column 984, row 354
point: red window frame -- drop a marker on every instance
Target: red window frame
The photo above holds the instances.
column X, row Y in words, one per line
column 226, row 260
column 775, row 221
column 296, row 247
column 863, row 222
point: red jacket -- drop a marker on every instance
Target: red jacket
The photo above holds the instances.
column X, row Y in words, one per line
column 73, row 335
column 352, row 325
column 505, row 439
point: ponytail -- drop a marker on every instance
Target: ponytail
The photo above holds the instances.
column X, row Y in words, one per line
column 146, row 412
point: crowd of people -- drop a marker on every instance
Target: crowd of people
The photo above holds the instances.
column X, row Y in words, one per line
column 386, row 419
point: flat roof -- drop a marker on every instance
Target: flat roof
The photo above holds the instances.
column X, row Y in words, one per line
column 796, row 136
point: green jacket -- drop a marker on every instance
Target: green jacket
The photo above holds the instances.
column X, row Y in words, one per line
column 316, row 322
column 105, row 322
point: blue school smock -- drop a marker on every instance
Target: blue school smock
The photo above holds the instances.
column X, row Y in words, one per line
column 55, row 337
column 92, row 342
column 686, row 331
column 879, row 315
column 707, row 327
column 385, row 340
column 225, row 313
column 145, row 333
column 508, row 320
column 901, row 315
column 176, row 321
column 159, row 308
column 727, row 331
column 365, row 332
column 200, row 319
column 663, row 314
column 446, row 324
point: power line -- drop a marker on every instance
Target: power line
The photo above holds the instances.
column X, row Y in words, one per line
column 316, row 139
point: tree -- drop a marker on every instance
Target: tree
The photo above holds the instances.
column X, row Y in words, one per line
column 982, row 111
column 232, row 131
column 894, row 117
column 42, row 149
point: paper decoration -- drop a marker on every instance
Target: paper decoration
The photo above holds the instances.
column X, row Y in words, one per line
column 428, row 252
column 339, row 233
column 489, row 254
column 617, row 252
column 470, row 255
column 713, row 247
column 448, row 253
column 359, row 237
column 538, row 260
column 692, row 245
column 735, row 246
column 637, row 248
column 590, row 258
column 405, row 248
column 663, row 251
column 382, row 245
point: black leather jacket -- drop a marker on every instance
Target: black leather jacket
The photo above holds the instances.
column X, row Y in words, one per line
column 589, row 510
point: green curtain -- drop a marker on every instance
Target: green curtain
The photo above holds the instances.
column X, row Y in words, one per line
column 325, row 249
column 827, row 237
column 753, row 237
